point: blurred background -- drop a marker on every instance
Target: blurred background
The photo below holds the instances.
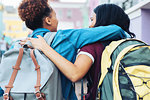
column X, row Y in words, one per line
column 71, row 14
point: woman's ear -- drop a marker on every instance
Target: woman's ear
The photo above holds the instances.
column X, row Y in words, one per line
column 48, row 20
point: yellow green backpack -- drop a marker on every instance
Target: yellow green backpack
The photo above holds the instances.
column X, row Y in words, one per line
column 125, row 71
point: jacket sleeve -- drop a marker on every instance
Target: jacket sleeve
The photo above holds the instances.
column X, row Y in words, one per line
column 81, row 37
column 1, row 92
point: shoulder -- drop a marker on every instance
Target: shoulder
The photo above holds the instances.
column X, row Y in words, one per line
column 91, row 50
column 92, row 47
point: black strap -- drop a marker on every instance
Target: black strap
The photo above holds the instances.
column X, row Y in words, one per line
column 82, row 90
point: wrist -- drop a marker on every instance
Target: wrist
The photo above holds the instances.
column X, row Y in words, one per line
column 44, row 47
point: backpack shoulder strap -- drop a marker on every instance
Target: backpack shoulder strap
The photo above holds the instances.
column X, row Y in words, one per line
column 106, row 56
column 14, row 74
column 49, row 36
column 116, row 91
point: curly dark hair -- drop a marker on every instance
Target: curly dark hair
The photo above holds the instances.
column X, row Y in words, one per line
column 33, row 12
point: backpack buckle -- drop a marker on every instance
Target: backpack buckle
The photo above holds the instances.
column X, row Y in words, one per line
column 109, row 70
column 5, row 96
column 38, row 95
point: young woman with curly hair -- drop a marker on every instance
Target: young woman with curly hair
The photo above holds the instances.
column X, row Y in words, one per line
column 41, row 18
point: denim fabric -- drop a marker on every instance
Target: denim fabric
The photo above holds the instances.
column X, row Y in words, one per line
column 1, row 92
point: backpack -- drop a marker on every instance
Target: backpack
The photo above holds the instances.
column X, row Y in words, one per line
column 27, row 74
column 125, row 71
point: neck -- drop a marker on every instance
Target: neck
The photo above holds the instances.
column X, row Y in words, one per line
column 50, row 28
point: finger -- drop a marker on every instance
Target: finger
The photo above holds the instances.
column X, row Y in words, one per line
column 39, row 36
column 23, row 40
column 28, row 38
column 29, row 46
column 22, row 43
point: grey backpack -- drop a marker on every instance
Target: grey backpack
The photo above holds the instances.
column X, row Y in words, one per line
column 27, row 74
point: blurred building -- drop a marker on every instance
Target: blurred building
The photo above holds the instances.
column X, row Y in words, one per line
column 13, row 26
column 1, row 19
column 53, row 0
column 70, row 15
column 140, row 19
column 92, row 4
column 125, row 4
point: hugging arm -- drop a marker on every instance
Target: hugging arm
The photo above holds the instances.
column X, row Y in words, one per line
column 83, row 63
column 73, row 72
column 82, row 37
